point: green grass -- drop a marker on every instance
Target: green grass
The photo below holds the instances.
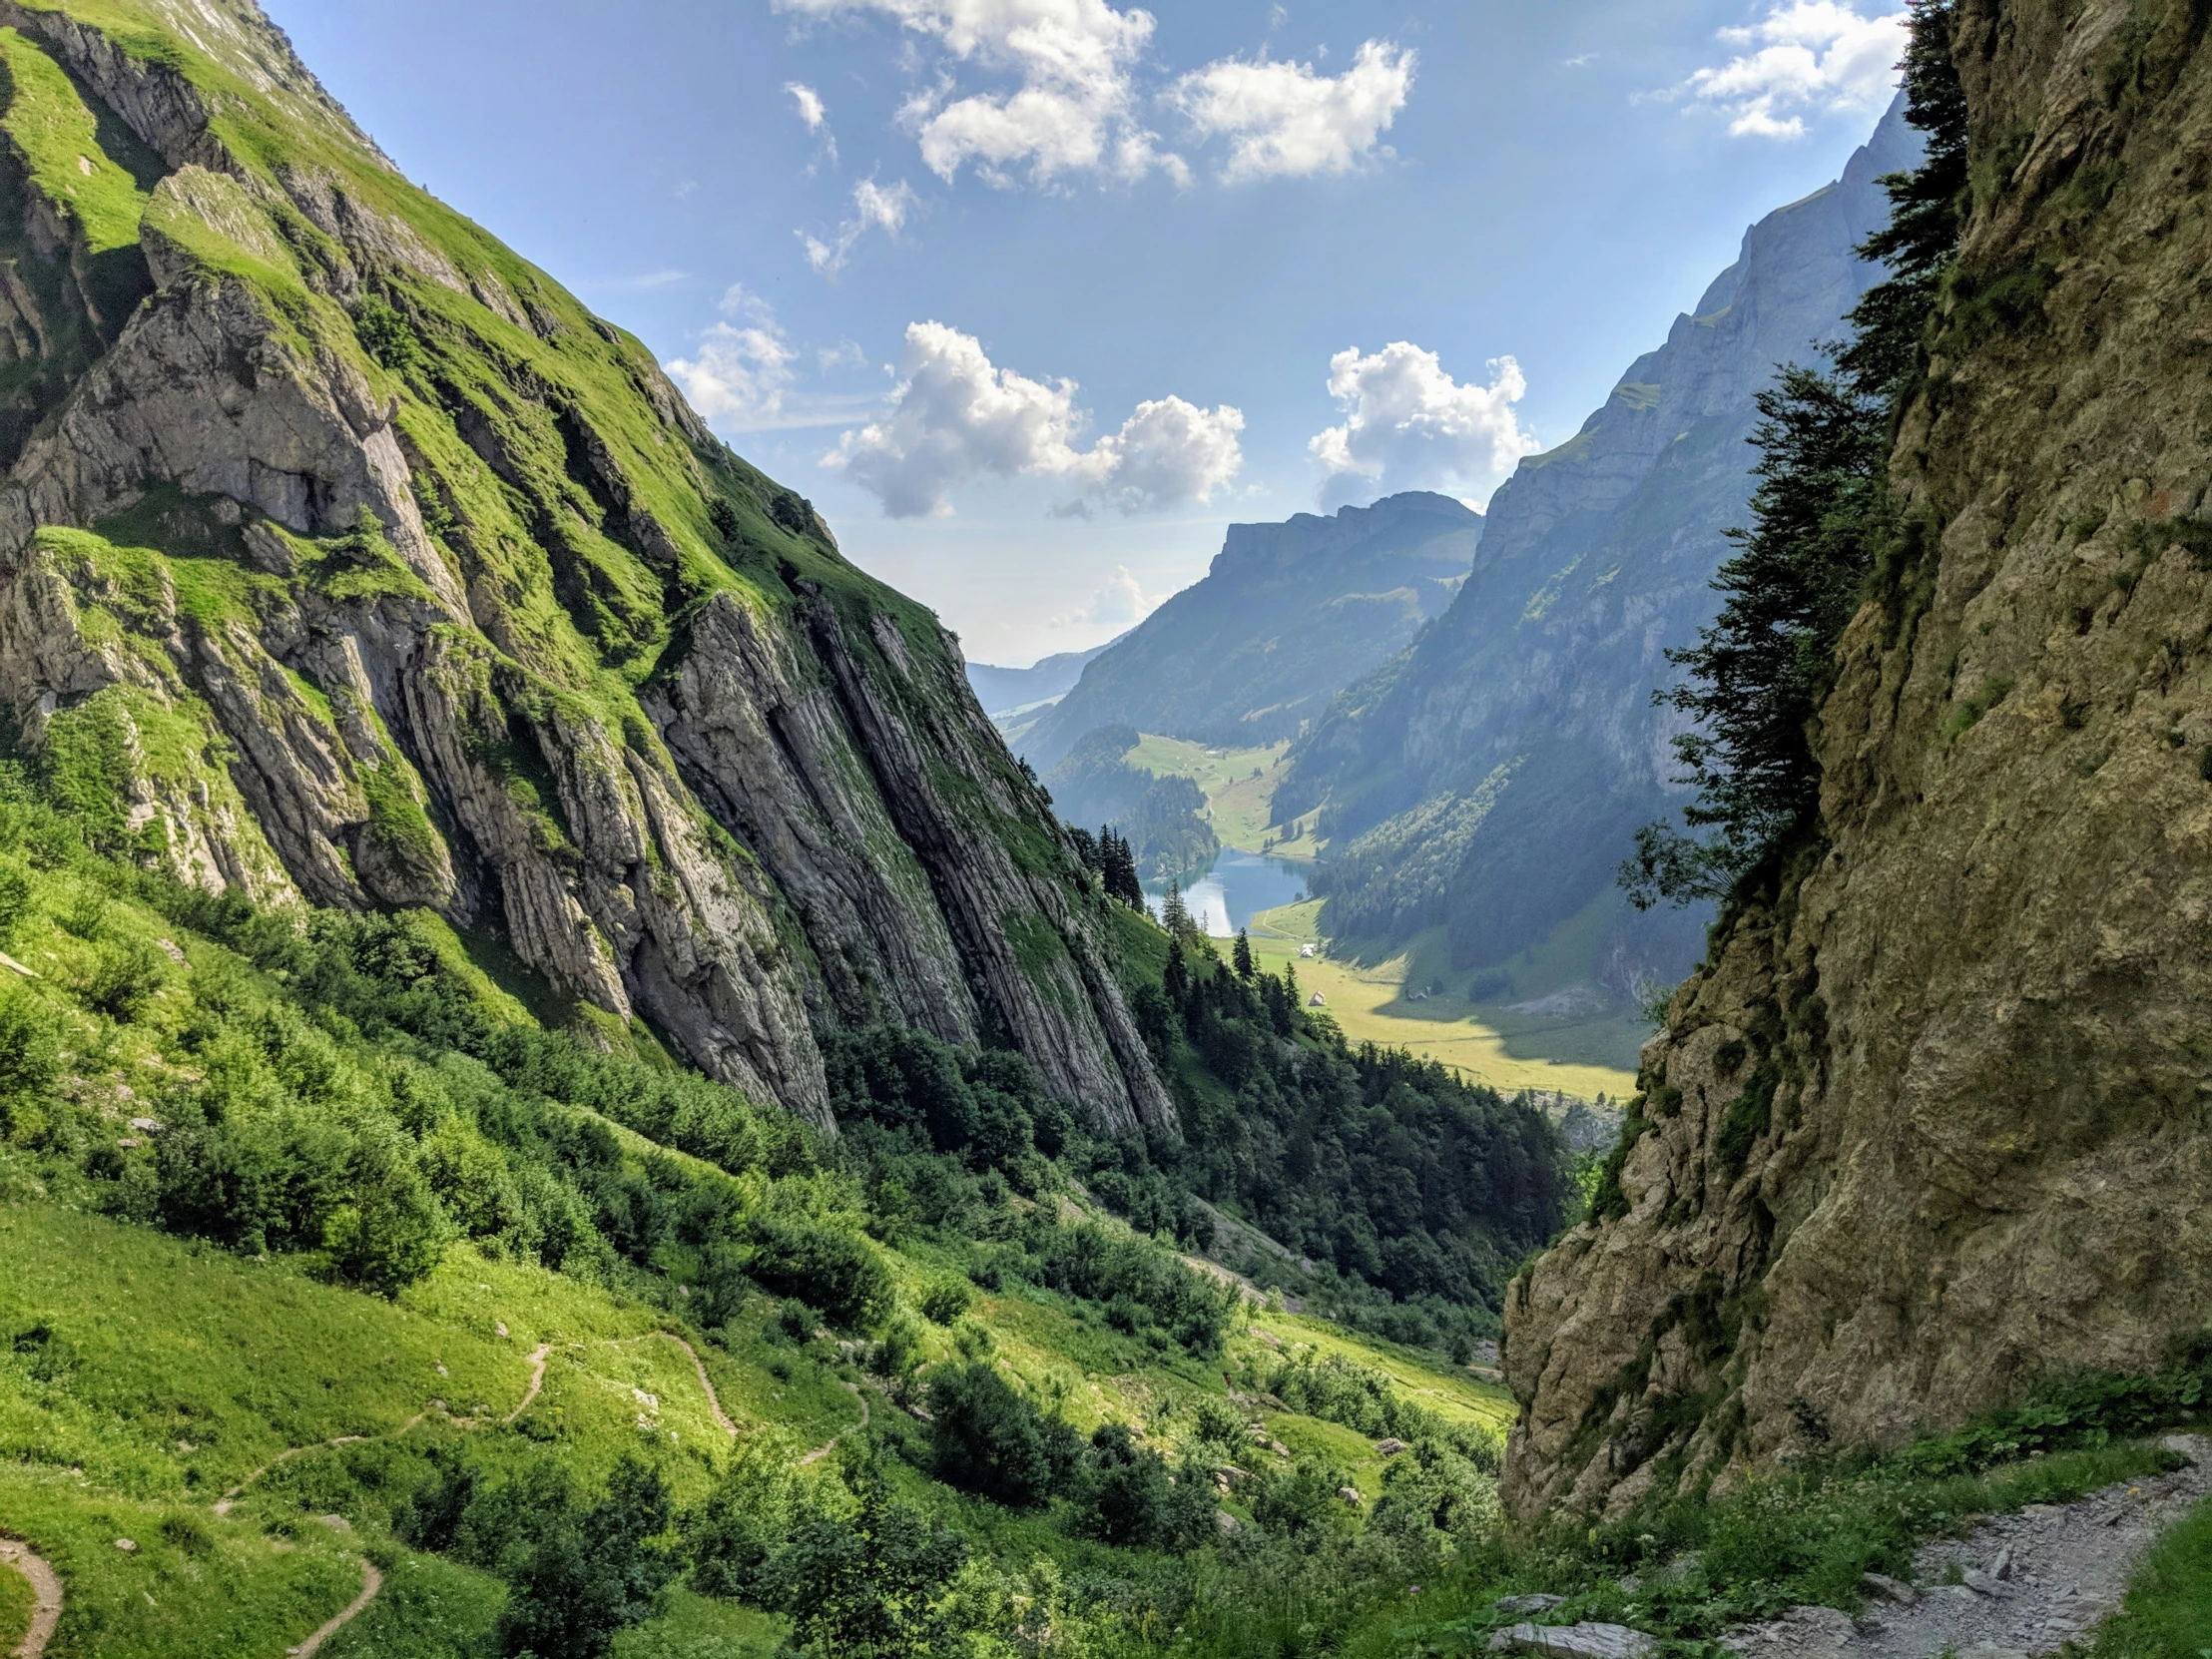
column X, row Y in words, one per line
column 193, row 1585
column 17, row 1602
column 58, row 137
column 2168, row 1611
column 430, row 1608
column 694, row 1627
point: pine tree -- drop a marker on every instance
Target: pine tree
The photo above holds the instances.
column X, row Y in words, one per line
column 1118, row 865
column 1927, row 208
column 1175, row 981
column 1242, row 955
column 1174, row 917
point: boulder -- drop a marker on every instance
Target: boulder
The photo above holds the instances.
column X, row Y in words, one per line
column 1575, row 1641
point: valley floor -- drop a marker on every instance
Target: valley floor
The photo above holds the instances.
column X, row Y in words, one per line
column 1581, row 1051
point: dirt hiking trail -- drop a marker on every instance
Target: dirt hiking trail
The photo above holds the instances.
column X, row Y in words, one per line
column 46, row 1588
column 2027, row 1583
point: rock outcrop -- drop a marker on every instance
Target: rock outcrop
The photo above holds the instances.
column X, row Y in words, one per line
column 1933, row 1123
column 345, row 559
column 1492, row 778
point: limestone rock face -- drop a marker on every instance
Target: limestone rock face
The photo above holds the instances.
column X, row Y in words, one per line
column 346, row 559
column 1935, row 1119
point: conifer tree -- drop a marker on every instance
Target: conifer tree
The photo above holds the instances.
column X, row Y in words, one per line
column 1242, row 955
column 1174, row 915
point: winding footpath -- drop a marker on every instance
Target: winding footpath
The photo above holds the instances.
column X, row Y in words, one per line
column 714, row 1400
column 830, row 1444
column 371, row 1582
column 46, row 1588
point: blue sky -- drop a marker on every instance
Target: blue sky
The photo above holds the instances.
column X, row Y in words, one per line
column 1033, row 297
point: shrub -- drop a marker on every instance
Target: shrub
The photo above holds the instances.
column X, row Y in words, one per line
column 592, row 1576
column 15, row 901
column 870, row 1584
column 1125, row 1495
column 820, row 1264
column 946, row 1300
column 29, row 1057
column 745, row 1520
column 993, row 1440
column 124, row 979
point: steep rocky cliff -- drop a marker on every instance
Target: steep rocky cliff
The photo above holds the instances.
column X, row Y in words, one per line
column 1285, row 617
column 1934, row 1120
column 344, row 558
column 1491, row 778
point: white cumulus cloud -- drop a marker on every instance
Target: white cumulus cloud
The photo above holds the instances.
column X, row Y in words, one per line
column 1287, row 120
column 743, row 367
column 1409, row 425
column 873, row 209
column 1167, row 453
column 1073, row 110
column 957, row 416
column 1815, row 57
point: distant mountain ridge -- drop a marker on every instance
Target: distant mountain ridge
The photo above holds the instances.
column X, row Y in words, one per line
column 1287, row 616
column 1004, row 690
column 1491, row 777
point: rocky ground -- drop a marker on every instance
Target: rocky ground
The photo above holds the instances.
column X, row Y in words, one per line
column 2024, row 1584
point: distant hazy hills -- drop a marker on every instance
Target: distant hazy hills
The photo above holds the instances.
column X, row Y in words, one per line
column 1288, row 616
column 1491, row 776
column 1008, row 691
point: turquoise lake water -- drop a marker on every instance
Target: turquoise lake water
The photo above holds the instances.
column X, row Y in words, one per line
column 1237, row 887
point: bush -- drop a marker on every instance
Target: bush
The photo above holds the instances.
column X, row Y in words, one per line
column 946, row 1300
column 1125, row 1495
column 993, row 1440
column 821, row 1264
column 745, row 1520
column 870, row 1584
column 15, row 901
column 124, row 979
column 29, row 1057
column 592, row 1576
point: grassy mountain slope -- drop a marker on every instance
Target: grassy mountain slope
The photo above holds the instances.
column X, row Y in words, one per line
column 344, row 558
column 464, row 1248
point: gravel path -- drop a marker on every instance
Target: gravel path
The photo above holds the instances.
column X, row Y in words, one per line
column 46, row 1588
column 2033, row 1581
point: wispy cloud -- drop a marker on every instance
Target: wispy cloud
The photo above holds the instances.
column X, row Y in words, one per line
column 814, row 115
column 1122, row 602
column 744, row 375
column 643, row 282
column 874, row 207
